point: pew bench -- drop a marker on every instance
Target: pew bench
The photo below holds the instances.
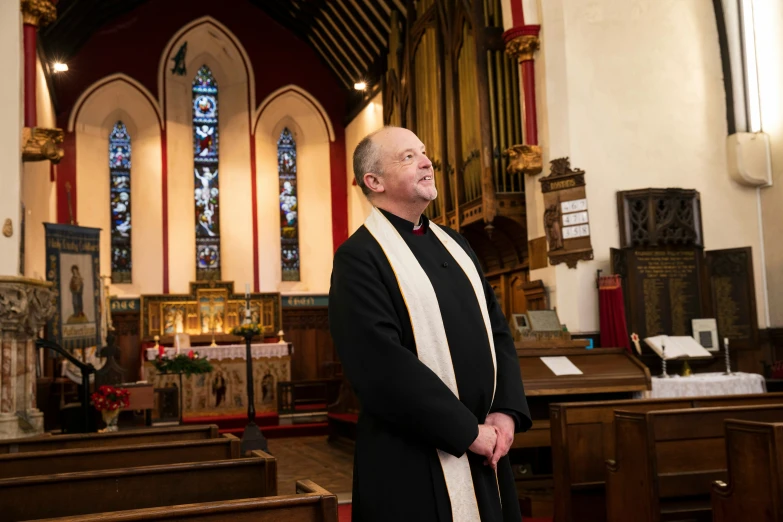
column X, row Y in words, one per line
column 93, row 459
column 665, row 461
column 582, row 438
column 70, row 494
column 311, row 504
column 754, row 487
column 116, row 438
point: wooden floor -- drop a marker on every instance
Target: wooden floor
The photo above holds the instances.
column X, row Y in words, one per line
column 331, row 467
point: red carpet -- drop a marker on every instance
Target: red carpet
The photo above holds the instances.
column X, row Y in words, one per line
column 344, row 515
column 269, row 422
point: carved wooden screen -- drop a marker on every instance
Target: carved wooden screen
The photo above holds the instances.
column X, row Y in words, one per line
column 660, row 217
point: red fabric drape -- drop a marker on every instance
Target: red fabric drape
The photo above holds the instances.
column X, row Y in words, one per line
column 614, row 332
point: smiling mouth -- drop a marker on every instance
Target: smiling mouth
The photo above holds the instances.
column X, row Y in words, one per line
column 426, row 178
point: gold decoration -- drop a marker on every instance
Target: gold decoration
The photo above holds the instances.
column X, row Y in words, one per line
column 525, row 158
column 523, row 47
column 39, row 144
column 686, row 370
column 8, row 228
column 39, row 13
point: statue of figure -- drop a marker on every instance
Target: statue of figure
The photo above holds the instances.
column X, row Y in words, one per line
column 76, row 286
column 552, row 226
column 179, row 326
column 218, row 324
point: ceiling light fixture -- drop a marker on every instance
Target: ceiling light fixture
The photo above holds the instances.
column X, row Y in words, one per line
column 60, row 67
column 360, row 86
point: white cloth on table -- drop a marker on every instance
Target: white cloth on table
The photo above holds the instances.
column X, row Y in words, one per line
column 230, row 351
column 701, row 384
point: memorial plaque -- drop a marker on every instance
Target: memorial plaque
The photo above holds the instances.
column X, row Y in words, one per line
column 662, row 289
column 733, row 295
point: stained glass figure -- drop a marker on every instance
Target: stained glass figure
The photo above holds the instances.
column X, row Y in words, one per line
column 120, row 202
column 205, row 170
column 289, row 206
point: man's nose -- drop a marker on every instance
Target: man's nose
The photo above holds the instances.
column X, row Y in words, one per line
column 425, row 163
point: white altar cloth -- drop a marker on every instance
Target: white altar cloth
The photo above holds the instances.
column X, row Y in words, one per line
column 702, row 384
column 229, row 351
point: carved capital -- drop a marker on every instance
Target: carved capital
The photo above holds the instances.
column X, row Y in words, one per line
column 40, row 144
column 525, row 158
column 39, row 13
column 522, row 47
column 25, row 305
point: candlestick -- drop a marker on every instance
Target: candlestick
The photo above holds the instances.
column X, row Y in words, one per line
column 663, row 360
column 247, row 290
column 728, row 359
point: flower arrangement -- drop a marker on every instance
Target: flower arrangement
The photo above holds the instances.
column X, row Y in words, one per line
column 190, row 364
column 247, row 330
column 109, row 398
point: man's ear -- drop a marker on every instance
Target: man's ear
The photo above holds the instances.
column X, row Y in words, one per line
column 373, row 182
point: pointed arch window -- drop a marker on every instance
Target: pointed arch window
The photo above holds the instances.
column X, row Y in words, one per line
column 120, row 195
column 289, row 206
column 205, row 169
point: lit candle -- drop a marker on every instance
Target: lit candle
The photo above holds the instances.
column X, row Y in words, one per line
column 247, row 290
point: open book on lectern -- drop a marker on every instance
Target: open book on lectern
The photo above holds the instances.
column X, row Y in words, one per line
column 676, row 346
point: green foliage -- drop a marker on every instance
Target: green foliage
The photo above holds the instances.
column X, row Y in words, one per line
column 245, row 330
column 183, row 364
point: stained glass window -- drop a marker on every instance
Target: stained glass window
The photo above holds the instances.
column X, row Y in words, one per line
column 205, row 169
column 289, row 206
column 120, row 194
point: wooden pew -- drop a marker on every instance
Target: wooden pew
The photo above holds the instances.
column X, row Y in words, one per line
column 94, row 459
column 311, row 504
column 69, row 494
column 582, row 436
column 116, row 438
column 665, row 461
column 754, row 453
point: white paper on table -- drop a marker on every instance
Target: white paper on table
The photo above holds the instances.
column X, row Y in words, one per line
column 561, row 366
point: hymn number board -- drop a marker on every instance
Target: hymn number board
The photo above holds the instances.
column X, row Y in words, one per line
column 566, row 220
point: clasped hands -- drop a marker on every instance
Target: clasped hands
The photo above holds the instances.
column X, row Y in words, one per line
column 494, row 439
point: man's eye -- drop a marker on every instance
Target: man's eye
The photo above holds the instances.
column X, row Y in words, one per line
column 408, row 156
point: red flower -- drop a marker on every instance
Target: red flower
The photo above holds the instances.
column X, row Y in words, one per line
column 190, row 354
column 161, row 351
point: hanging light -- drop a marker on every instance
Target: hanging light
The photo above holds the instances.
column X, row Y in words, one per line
column 59, row 67
column 360, row 86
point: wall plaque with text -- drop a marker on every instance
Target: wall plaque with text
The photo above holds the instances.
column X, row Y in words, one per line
column 662, row 289
column 733, row 296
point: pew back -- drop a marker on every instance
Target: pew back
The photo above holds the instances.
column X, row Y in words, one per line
column 68, row 494
column 117, row 438
column 582, row 436
column 665, row 461
column 311, row 504
column 93, row 459
column 754, row 454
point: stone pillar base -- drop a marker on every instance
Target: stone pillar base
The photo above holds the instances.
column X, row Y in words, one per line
column 17, row 426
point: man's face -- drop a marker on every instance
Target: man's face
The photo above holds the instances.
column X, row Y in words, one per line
column 408, row 175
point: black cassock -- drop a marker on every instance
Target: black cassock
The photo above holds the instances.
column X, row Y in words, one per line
column 407, row 411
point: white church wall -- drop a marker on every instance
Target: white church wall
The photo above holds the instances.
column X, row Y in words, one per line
column 633, row 93
column 10, row 137
column 123, row 100
column 210, row 44
column 39, row 193
column 768, row 18
column 295, row 109
column 368, row 120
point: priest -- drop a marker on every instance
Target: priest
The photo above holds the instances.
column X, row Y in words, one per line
column 427, row 350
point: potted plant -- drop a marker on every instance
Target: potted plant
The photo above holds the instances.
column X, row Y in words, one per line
column 109, row 401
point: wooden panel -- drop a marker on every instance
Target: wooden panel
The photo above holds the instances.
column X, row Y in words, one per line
column 311, row 503
column 126, row 326
column 117, row 438
column 586, row 441
column 517, row 301
column 308, row 330
column 93, row 459
column 688, row 455
column 131, row 488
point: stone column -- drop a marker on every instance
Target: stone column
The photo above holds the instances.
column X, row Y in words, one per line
column 25, row 305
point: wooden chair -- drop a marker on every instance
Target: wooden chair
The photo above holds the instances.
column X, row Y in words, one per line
column 754, row 488
column 665, row 461
column 70, row 494
column 310, row 504
column 116, row 438
column 582, row 437
column 110, row 457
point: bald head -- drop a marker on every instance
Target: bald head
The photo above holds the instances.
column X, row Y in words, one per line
column 367, row 158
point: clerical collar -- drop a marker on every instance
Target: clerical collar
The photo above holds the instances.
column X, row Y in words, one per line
column 403, row 225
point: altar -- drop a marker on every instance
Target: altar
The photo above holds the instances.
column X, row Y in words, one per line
column 224, row 390
column 205, row 316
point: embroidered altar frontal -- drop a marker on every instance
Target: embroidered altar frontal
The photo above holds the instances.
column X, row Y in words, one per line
column 224, row 390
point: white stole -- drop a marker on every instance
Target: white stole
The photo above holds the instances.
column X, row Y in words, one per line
column 430, row 336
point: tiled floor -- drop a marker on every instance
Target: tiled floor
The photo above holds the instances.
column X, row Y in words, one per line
column 331, row 467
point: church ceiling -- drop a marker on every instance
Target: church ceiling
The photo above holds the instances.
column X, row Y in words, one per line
column 350, row 36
